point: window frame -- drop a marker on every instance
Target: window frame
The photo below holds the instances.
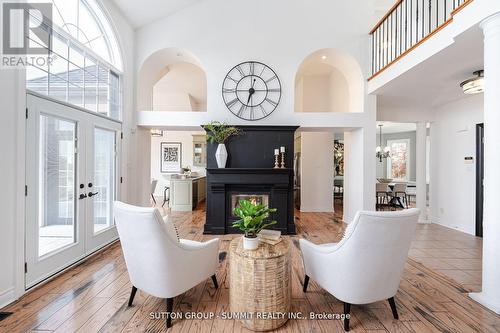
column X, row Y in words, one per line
column 408, row 158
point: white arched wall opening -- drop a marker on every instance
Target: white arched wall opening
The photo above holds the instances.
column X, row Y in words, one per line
column 329, row 80
column 159, row 70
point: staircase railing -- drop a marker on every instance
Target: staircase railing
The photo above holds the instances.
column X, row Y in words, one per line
column 406, row 25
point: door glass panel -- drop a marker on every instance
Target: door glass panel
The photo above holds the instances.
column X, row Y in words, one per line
column 57, row 227
column 104, row 178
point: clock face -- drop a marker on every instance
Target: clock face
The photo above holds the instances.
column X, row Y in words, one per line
column 251, row 90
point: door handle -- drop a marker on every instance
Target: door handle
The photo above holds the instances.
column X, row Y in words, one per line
column 92, row 194
column 82, row 196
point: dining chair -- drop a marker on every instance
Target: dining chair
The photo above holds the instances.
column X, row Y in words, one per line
column 154, row 182
column 158, row 262
column 399, row 193
column 381, row 195
column 338, row 188
column 367, row 264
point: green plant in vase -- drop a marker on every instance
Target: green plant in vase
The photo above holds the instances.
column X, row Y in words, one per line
column 219, row 132
column 253, row 218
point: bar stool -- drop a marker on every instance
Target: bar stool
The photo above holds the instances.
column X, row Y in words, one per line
column 165, row 198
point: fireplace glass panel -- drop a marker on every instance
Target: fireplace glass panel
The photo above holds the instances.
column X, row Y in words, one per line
column 259, row 199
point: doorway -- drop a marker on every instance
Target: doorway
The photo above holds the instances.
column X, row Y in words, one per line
column 479, row 178
column 72, row 174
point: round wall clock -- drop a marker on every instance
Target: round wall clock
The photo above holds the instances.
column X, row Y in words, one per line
column 251, row 90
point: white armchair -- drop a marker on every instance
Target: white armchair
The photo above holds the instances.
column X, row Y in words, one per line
column 366, row 265
column 157, row 261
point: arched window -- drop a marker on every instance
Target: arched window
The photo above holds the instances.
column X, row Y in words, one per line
column 85, row 21
column 87, row 64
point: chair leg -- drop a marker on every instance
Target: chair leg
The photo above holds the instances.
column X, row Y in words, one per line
column 153, row 197
column 170, row 306
column 347, row 312
column 306, row 282
column 132, row 295
column 392, row 303
column 214, row 280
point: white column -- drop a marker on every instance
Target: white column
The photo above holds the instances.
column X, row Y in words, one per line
column 316, row 179
column 490, row 294
column 420, row 172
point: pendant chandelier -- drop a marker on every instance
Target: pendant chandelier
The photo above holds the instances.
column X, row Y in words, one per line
column 379, row 153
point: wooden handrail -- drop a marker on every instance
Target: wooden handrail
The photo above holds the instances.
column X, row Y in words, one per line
column 389, row 12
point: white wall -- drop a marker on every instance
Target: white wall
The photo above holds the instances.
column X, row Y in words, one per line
column 186, row 139
column 9, row 171
column 319, row 87
column 12, row 173
column 317, row 165
column 453, row 182
column 182, row 88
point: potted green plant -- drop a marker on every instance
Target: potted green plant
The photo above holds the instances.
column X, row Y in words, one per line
column 220, row 132
column 253, row 218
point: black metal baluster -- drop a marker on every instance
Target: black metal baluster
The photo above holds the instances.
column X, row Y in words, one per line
column 378, row 47
column 411, row 22
column 445, row 15
column 406, row 25
column 416, row 21
column 372, row 52
column 430, row 13
column 386, row 44
column 400, row 28
column 386, row 54
column 391, row 42
column 437, row 13
column 423, row 19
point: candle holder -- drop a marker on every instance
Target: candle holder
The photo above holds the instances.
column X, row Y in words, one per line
column 282, row 160
column 276, row 162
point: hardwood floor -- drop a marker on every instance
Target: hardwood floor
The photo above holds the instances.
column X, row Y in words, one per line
column 92, row 297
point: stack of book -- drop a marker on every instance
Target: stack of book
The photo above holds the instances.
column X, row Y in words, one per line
column 271, row 237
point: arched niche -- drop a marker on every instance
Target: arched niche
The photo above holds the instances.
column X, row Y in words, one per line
column 329, row 80
column 172, row 79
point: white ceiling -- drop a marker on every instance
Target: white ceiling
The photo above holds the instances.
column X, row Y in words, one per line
column 436, row 81
column 142, row 12
column 392, row 127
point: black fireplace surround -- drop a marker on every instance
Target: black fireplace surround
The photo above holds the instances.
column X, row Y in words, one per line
column 249, row 171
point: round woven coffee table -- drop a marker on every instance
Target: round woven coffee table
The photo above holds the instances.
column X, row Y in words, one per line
column 260, row 284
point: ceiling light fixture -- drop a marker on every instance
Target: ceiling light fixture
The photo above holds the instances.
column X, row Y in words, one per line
column 474, row 85
column 323, row 57
column 156, row 132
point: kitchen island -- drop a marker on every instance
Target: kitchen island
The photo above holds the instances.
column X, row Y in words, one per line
column 186, row 192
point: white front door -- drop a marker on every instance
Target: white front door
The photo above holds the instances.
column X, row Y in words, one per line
column 72, row 159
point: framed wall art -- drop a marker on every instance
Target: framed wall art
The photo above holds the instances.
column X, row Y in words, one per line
column 170, row 157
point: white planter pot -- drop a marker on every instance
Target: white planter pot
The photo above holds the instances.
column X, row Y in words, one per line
column 221, row 155
column 250, row 243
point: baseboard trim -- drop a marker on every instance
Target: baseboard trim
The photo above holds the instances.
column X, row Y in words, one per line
column 316, row 209
column 7, row 297
column 483, row 299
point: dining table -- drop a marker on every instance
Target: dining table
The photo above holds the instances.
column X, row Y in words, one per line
column 395, row 200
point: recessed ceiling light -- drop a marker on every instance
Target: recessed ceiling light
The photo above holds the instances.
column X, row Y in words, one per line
column 474, row 85
column 323, row 57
